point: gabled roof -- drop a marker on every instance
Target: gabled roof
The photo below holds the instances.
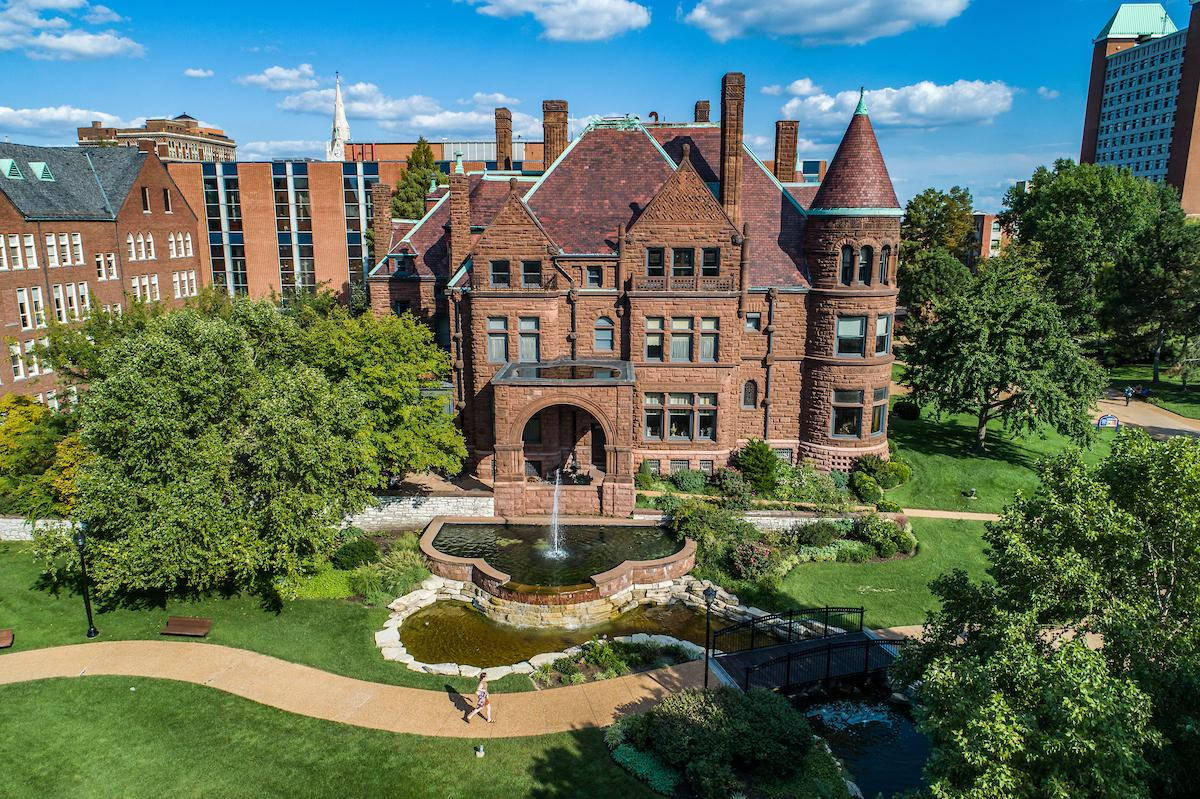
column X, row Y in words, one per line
column 1134, row 20
column 685, row 196
column 603, row 180
column 90, row 183
column 857, row 177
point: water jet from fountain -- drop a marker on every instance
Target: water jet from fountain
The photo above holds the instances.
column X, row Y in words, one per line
column 556, row 551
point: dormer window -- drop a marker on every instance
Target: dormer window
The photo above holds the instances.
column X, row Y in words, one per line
column 531, row 274
column 711, row 265
column 41, row 171
column 683, row 262
column 655, row 260
column 499, row 274
column 10, row 170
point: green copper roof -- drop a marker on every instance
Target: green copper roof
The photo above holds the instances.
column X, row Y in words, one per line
column 1137, row 19
column 862, row 101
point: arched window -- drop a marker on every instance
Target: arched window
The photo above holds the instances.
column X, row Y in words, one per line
column 847, row 265
column 885, row 263
column 603, row 335
column 132, row 248
column 171, row 246
column 750, row 394
column 141, row 247
column 150, row 246
column 187, row 238
column 866, row 264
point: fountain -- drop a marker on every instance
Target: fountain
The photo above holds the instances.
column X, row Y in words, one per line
column 556, row 551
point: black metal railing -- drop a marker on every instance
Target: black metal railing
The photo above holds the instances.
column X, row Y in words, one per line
column 787, row 627
column 836, row 659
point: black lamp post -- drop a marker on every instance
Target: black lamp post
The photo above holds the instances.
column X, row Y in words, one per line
column 92, row 632
column 710, row 594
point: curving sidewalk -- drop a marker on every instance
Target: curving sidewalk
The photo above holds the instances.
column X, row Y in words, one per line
column 320, row 694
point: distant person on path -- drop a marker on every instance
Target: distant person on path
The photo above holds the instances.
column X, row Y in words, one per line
column 1128, row 394
column 482, row 700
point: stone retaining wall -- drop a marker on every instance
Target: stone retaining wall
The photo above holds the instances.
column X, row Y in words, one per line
column 13, row 528
column 414, row 511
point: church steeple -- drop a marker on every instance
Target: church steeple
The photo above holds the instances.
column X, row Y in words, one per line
column 335, row 150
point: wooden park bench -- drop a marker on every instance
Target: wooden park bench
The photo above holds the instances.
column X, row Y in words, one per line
column 187, row 625
column 6, row 639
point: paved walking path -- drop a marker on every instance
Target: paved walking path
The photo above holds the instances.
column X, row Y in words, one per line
column 965, row 515
column 320, row 694
column 1158, row 422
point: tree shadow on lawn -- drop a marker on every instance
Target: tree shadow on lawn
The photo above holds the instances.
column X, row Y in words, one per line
column 953, row 440
column 71, row 585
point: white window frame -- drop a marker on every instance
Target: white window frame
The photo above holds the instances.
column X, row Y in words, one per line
column 77, row 248
column 51, row 251
column 26, row 318
column 39, row 307
column 60, row 305
column 31, row 260
column 64, row 245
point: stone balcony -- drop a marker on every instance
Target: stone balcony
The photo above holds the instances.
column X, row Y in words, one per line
column 693, row 283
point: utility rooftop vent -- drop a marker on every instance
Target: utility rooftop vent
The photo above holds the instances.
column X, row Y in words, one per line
column 10, row 170
column 41, row 171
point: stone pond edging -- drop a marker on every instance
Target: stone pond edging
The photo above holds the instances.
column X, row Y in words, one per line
column 686, row 590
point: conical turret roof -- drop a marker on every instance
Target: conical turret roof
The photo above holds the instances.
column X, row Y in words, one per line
column 857, row 177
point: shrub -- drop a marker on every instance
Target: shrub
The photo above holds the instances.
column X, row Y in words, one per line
column 711, row 778
column 882, row 535
column 840, row 479
column 760, row 466
column 826, row 554
column 820, row 533
column 578, row 678
column 399, row 572
column 803, row 483
column 886, row 505
column 715, row 531
column 644, row 479
column 865, row 487
column 907, row 410
column 736, row 491
column 603, row 656
column 872, row 465
column 647, row 768
column 908, row 542
column 854, row 552
column 355, row 553
column 326, row 584
column 751, row 561
column 565, row 666
column 900, row 470
column 690, row 481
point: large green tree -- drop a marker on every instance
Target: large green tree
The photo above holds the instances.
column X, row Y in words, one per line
column 33, row 457
column 1108, row 553
column 936, row 219
column 999, row 350
column 217, row 459
column 1085, row 219
column 408, row 200
column 1152, row 293
column 929, row 276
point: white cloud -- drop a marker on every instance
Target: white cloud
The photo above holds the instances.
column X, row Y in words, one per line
column 197, row 72
column 764, row 146
column 1047, row 93
column 490, row 99
column 363, row 100
column 49, row 30
column 921, row 105
column 819, row 21
column 773, row 89
column 286, row 148
column 803, row 87
column 572, row 20
column 50, row 120
column 282, row 79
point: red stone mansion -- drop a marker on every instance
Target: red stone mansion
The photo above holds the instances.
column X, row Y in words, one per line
column 656, row 295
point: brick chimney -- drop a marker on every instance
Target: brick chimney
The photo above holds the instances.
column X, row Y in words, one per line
column 702, row 111
column 554, row 129
column 381, row 220
column 733, row 102
column 504, row 142
column 786, row 131
column 460, row 215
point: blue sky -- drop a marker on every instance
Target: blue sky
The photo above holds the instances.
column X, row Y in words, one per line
column 973, row 92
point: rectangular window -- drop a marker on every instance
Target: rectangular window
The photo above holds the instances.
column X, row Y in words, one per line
column 72, row 302
column 18, row 363
column 654, row 465
column 681, row 339
column 706, row 417
column 595, row 277
column 60, row 306
column 679, row 466
column 531, row 274
column 51, row 251
column 497, row 339
column 532, row 434
column 706, row 467
column 30, row 252
column 145, row 280
column 39, row 309
column 175, row 285
column 851, row 336
column 531, row 351
column 167, row 200
column 31, row 359
column 883, row 335
column 711, row 265
column 145, row 199
column 708, row 338
column 654, row 338
column 753, row 322
column 191, row 282
column 878, row 418
column 654, row 262
column 784, row 454
column 653, row 417
column 136, row 286
column 14, row 251
column 100, row 266
column 64, row 244
column 679, row 417
column 683, row 262
column 110, row 259
column 154, row 287
column 23, row 309
column 847, row 414
column 847, row 265
column 499, row 274
column 85, row 299
column 77, row 248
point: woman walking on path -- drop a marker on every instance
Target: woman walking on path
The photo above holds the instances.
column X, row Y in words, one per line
column 482, row 700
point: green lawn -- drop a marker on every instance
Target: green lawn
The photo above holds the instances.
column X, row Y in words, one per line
column 944, row 467
column 95, row 737
column 1167, row 393
column 336, row 635
column 894, row 592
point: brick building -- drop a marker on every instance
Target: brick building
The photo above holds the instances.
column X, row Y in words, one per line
column 1143, row 91
column 989, row 238
column 84, row 228
column 178, row 139
column 656, row 296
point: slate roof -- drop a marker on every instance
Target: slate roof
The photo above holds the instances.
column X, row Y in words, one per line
column 857, row 177
column 90, row 183
column 776, row 224
column 603, row 181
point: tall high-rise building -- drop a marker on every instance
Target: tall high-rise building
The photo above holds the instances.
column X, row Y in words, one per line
column 1142, row 96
